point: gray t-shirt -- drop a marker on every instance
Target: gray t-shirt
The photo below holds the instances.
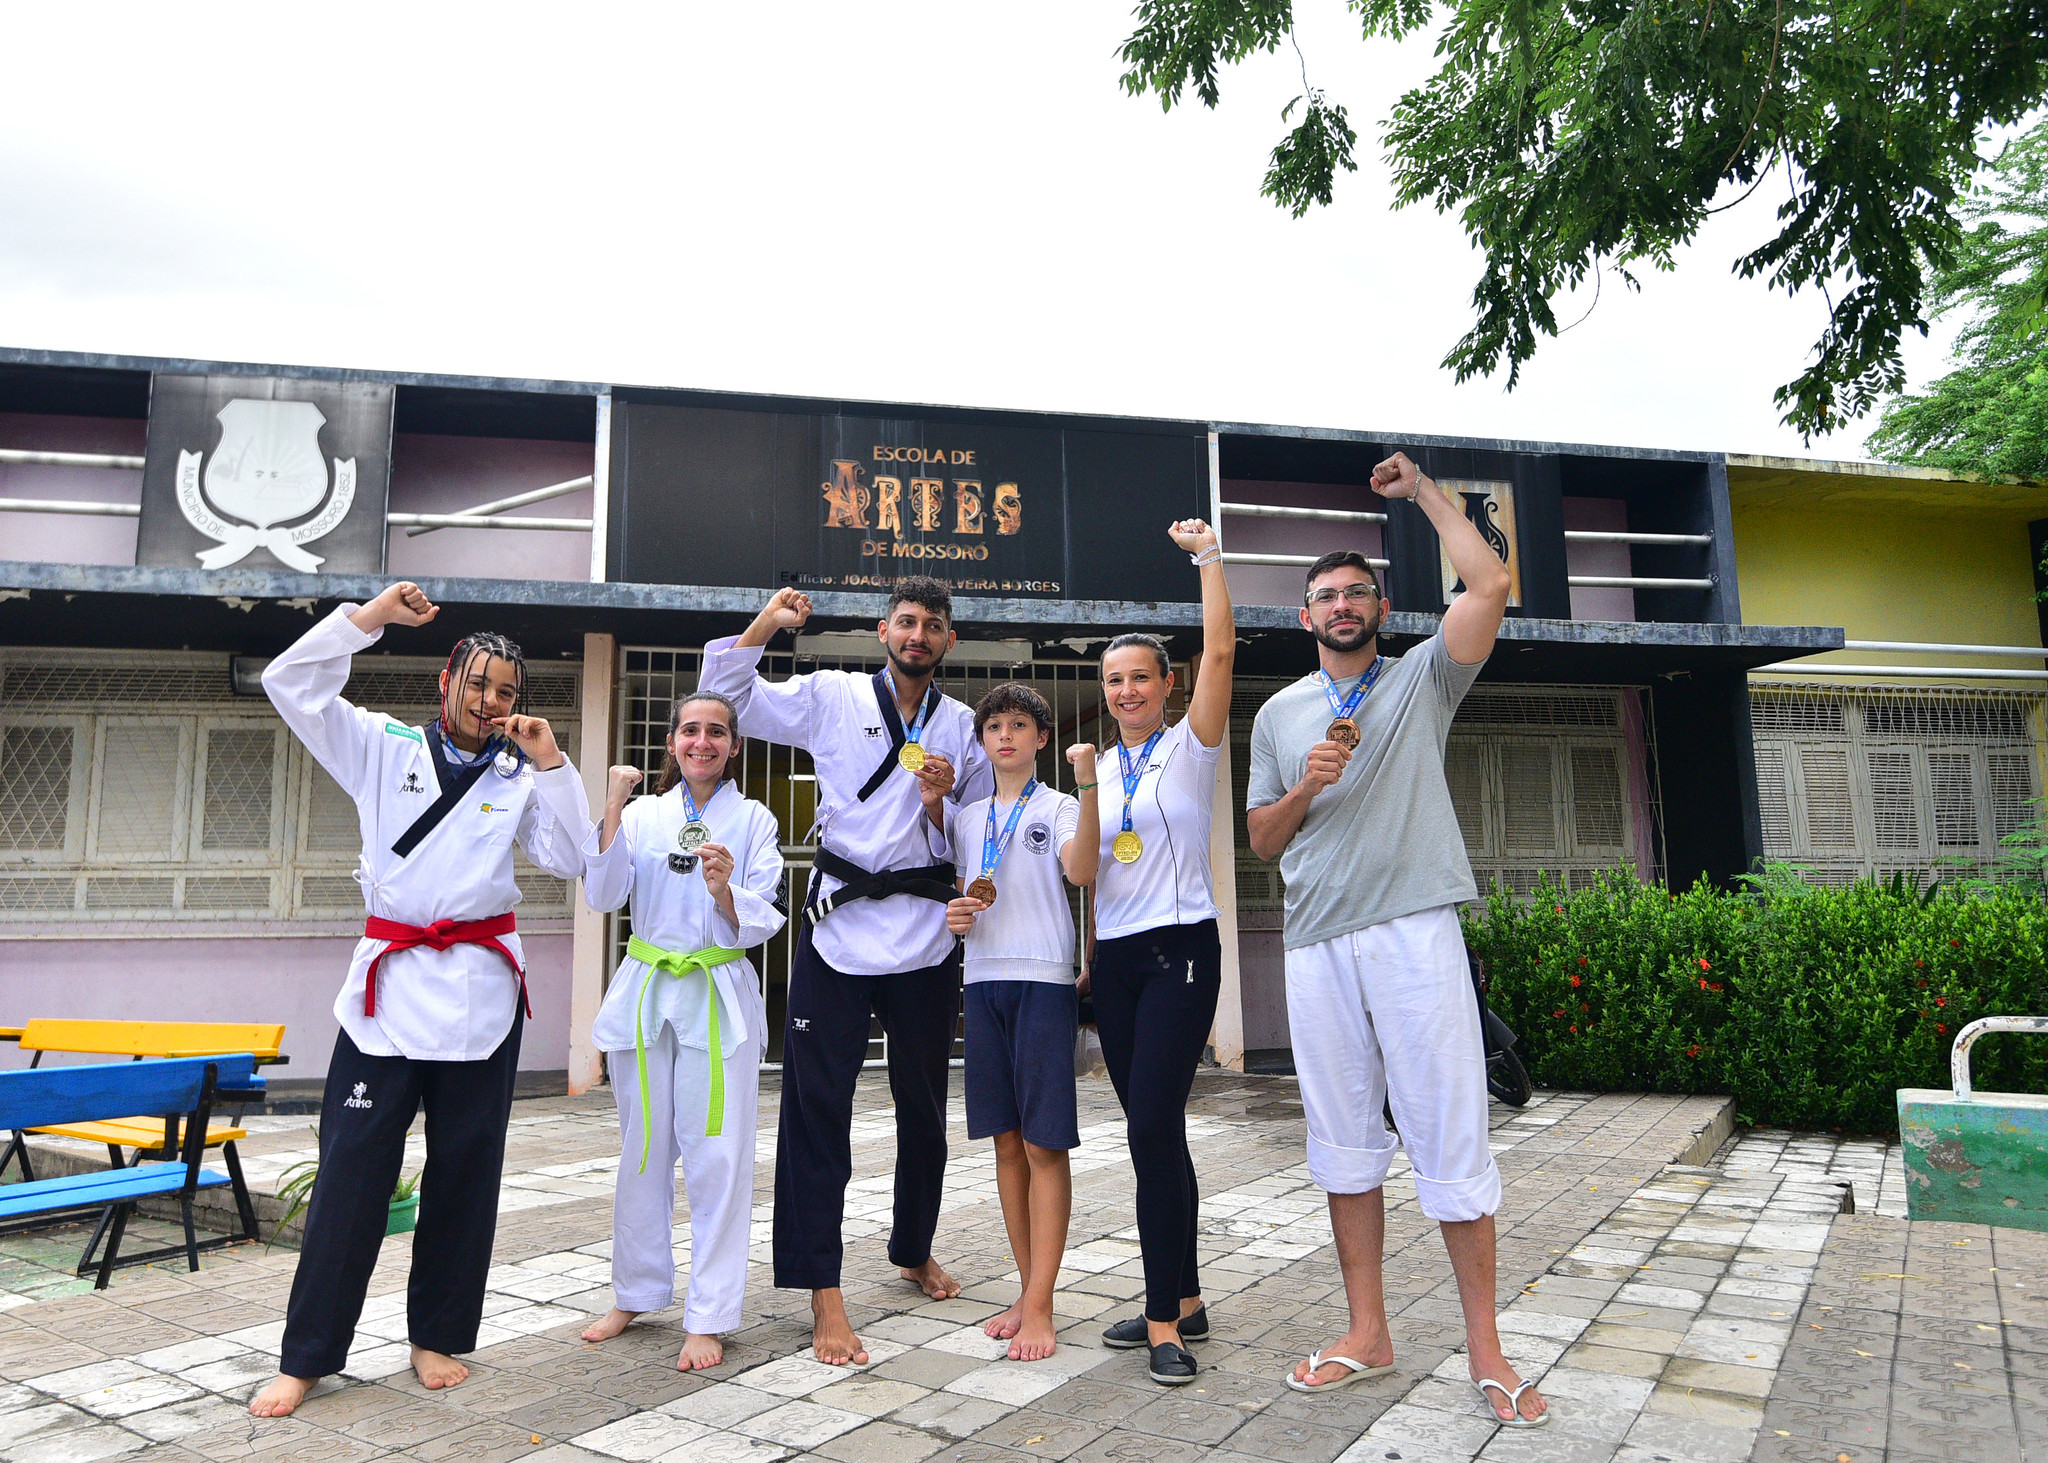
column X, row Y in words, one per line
column 1384, row 841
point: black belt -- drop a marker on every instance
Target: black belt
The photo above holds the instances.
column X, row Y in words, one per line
column 934, row 882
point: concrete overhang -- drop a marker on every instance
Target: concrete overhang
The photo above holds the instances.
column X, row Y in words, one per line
column 259, row 612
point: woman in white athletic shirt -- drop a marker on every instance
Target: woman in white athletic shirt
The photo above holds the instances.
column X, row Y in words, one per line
column 1157, row 961
column 683, row 1025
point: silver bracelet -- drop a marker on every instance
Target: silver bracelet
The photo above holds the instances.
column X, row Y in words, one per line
column 1208, row 556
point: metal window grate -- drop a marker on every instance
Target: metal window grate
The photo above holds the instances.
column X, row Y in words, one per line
column 237, row 814
column 1552, row 778
column 133, row 814
column 35, row 788
column 1892, row 779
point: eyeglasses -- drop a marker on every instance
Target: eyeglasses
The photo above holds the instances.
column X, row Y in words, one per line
column 1349, row 593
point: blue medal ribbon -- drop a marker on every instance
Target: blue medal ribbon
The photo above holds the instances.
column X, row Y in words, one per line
column 1358, row 692
column 913, row 731
column 1132, row 775
column 993, row 848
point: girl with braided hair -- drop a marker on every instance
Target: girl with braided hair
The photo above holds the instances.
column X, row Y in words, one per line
column 430, row 1010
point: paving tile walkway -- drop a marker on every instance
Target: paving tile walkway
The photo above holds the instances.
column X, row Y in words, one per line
column 1667, row 1308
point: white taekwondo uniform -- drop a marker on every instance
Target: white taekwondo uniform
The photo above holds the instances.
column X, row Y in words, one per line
column 674, row 911
column 453, row 1005
column 429, row 1015
column 888, row 957
column 837, row 718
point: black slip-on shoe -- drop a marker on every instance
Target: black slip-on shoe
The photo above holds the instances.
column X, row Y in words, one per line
column 1130, row 1335
column 1171, row 1366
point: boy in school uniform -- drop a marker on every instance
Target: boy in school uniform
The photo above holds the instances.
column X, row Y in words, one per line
column 1011, row 849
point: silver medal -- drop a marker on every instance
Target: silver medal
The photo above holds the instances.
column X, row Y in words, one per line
column 695, row 834
column 506, row 764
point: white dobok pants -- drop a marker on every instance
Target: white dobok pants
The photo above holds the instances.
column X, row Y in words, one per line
column 718, row 1176
column 1388, row 1012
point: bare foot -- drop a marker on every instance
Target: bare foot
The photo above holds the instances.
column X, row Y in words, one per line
column 832, row 1338
column 609, row 1325
column 1375, row 1349
column 1003, row 1326
column 934, row 1281
column 1034, row 1339
column 1532, row 1405
column 437, row 1371
column 700, row 1352
column 282, row 1397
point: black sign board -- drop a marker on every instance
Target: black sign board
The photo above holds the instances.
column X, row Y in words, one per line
column 266, row 473
column 993, row 506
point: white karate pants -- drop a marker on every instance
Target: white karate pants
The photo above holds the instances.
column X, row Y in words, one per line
column 1387, row 1012
column 718, row 1175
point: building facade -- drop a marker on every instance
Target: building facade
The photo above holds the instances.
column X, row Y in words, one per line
column 167, row 850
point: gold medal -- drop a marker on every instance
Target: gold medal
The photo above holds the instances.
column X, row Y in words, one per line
column 983, row 889
column 911, row 756
column 1127, row 847
column 1344, row 732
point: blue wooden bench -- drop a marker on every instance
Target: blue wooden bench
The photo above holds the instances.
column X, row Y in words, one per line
column 182, row 1092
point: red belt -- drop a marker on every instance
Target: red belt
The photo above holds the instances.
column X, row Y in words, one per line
column 439, row 936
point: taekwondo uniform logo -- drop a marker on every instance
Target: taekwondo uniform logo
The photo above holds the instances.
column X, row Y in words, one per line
column 357, row 1099
column 266, row 472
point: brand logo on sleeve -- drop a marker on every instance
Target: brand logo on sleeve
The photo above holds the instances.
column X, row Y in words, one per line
column 357, row 1099
column 393, row 729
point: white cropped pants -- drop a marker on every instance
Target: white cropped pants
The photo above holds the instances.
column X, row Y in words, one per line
column 1387, row 1013
column 718, row 1175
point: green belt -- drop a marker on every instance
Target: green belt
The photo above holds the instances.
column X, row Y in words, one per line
column 669, row 962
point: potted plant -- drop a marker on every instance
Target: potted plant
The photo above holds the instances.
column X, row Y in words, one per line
column 295, row 1188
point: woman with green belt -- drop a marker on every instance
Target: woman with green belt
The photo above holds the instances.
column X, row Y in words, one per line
column 683, row 1025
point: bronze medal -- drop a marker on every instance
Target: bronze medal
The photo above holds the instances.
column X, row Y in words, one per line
column 1344, row 732
column 983, row 889
column 911, row 757
column 1127, row 847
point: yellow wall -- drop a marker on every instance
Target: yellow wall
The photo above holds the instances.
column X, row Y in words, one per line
column 1882, row 574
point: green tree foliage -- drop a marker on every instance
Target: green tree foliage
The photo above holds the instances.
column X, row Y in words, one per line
column 1574, row 134
column 1990, row 414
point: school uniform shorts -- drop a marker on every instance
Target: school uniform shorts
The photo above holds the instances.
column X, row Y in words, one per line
column 1020, row 1061
column 1386, row 1015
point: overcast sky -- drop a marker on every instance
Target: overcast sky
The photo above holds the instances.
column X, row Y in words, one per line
column 909, row 202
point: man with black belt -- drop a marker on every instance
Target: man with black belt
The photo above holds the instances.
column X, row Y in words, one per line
column 431, row 1007
column 873, row 940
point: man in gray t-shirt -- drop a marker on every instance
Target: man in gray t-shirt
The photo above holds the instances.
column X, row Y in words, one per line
column 1348, row 791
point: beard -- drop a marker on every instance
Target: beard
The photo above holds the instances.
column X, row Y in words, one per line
column 1346, row 639
column 903, row 668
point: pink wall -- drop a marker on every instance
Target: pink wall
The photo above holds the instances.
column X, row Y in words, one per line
column 449, row 474
column 64, row 538
column 1267, row 584
column 288, row 979
column 1605, row 560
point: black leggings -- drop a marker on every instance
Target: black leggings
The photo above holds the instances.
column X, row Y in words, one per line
column 1155, row 1001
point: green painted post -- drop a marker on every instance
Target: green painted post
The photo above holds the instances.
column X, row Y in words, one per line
column 1977, row 1157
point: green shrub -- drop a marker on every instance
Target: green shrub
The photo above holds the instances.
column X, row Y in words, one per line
column 1809, row 1005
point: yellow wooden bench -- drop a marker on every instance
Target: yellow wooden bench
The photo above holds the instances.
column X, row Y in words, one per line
column 140, row 1040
